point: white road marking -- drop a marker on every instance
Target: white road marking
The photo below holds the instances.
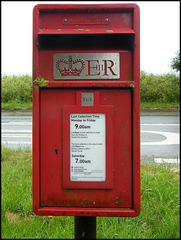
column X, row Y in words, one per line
column 8, row 117
column 17, row 135
column 16, row 131
column 142, row 124
column 171, row 138
column 12, row 142
column 167, row 160
column 159, row 124
column 17, row 123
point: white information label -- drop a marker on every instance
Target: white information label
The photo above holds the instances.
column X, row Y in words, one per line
column 87, row 147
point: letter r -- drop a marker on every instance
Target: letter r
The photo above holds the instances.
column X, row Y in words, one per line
column 110, row 67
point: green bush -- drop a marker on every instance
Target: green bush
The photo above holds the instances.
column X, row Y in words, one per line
column 163, row 88
column 17, row 88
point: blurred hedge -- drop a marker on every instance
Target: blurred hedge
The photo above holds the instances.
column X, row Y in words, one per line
column 18, row 88
column 153, row 88
column 159, row 88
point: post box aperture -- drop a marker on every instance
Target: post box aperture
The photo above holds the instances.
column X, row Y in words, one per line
column 86, row 127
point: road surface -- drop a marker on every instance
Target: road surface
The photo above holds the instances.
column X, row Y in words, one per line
column 160, row 134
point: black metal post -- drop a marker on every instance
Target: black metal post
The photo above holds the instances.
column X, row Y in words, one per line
column 85, row 227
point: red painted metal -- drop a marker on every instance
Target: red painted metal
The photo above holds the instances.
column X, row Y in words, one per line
column 117, row 26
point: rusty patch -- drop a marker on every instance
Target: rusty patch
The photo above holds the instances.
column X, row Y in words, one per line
column 118, row 200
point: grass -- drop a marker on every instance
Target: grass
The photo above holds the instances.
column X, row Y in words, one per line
column 159, row 217
column 159, row 105
column 14, row 105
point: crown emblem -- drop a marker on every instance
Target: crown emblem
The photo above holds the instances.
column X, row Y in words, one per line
column 70, row 68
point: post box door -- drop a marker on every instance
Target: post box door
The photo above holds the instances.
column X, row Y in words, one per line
column 57, row 189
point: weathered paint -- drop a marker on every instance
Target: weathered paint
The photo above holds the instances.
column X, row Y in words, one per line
column 50, row 126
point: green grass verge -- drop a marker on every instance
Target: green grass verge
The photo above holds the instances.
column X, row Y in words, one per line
column 159, row 217
column 158, row 105
column 14, row 105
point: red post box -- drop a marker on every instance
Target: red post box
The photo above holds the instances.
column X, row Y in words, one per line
column 86, row 110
